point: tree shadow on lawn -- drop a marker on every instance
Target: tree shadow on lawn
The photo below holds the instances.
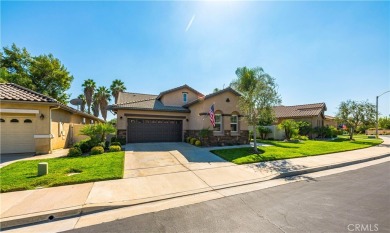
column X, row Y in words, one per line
column 279, row 166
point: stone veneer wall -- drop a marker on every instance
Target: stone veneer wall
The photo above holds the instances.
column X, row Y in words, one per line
column 220, row 140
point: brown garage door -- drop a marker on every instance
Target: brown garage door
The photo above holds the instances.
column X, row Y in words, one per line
column 154, row 130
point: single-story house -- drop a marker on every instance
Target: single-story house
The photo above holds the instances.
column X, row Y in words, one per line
column 312, row 113
column 31, row 122
column 175, row 114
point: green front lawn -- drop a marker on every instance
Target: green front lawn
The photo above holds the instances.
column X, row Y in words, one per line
column 22, row 175
column 288, row 150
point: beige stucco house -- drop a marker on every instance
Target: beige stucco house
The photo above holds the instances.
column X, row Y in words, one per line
column 34, row 123
column 312, row 113
column 175, row 114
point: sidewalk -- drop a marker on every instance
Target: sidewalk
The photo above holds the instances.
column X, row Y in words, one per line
column 18, row 208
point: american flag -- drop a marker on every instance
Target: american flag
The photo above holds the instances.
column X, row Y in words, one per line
column 212, row 115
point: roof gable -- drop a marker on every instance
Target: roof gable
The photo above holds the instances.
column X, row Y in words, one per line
column 185, row 86
column 228, row 89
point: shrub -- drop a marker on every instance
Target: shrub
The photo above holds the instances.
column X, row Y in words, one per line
column 116, row 144
column 290, row 127
column 203, row 133
column 188, row 139
column 304, row 128
column 86, row 145
column 74, row 151
column 300, row 137
column 263, row 131
column 198, row 143
column 97, row 150
column 115, row 148
column 192, row 141
column 122, row 141
column 113, row 139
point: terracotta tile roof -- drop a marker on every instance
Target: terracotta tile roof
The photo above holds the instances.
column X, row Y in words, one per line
column 143, row 102
column 11, row 91
column 178, row 88
column 213, row 94
column 307, row 110
column 14, row 92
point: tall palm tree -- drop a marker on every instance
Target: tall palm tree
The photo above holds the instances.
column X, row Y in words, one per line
column 104, row 96
column 89, row 88
column 95, row 105
column 82, row 98
column 116, row 87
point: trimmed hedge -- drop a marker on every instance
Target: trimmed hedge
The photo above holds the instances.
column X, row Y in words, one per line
column 198, row 143
column 115, row 148
column 116, row 144
column 192, row 141
column 97, row 150
column 74, row 151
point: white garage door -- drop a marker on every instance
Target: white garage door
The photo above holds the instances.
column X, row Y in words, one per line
column 17, row 134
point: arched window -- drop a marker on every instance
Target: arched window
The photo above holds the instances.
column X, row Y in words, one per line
column 27, row 121
column 14, row 121
column 2, row 120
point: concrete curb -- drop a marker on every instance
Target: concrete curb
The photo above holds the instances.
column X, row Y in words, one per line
column 44, row 217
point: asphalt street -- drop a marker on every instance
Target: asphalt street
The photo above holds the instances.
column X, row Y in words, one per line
column 353, row 201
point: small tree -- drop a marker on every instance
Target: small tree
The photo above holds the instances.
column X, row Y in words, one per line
column 290, row 127
column 263, row 131
column 258, row 95
column 353, row 113
column 304, row 128
column 98, row 132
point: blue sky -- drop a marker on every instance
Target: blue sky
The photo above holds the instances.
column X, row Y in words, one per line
column 317, row 51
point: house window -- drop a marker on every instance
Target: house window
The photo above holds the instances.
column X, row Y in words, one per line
column 14, row 121
column 234, row 123
column 2, row 120
column 185, row 97
column 83, row 122
column 27, row 121
column 218, row 123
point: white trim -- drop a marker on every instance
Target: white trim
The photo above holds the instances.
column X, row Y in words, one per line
column 25, row 111
column 43, row 136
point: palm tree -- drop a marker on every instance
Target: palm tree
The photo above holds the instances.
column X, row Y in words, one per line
column 82, row 98
column 116, row 87
column 95, row 105
column 104, row 96
column 89, row 88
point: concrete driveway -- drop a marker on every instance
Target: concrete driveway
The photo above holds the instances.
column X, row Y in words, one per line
column 145, row 159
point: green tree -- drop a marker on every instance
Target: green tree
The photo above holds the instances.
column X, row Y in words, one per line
column 258, row 95
column 263, row 131
column 44, row 73
column 116, row 87
column 353, row 113
column 83, row 102
column 103, row 95
column 215, row 90
column 384, row 122
column 89, row 89
column 290, row 127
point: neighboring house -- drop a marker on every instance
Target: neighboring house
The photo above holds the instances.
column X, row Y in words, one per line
column 175, row 114
column 312, row 113
column 330, row 121
column 31, row 122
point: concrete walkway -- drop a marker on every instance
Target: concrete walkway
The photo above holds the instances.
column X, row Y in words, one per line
column 162, row 174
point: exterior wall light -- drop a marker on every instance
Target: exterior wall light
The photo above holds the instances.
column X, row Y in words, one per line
column 42, row 116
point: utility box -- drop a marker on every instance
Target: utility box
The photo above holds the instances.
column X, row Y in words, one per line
column 43, row 169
